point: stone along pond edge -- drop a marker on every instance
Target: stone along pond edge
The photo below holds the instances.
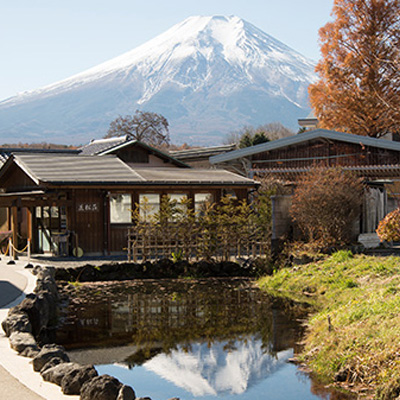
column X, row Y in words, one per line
column 30, row 324
column 28, row 327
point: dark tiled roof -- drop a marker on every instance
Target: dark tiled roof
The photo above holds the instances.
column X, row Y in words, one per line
column 304, row 137
column 361, row 170
column 66, row 169
column 192, row 176
column 201, row 152
column 5, row 152
column 100, row 145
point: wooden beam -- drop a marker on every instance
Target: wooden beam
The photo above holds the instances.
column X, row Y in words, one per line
column 29, row 223
column 14, row 225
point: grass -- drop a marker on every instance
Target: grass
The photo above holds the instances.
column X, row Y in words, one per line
column 355, row 330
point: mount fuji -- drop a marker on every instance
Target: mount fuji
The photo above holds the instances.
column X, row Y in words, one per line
column 207, row 75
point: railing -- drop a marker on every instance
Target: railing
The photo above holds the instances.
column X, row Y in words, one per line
column 150, row 242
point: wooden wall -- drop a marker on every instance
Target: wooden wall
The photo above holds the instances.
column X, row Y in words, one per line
column 88, row 216
column 327, row 153
column 87, row 219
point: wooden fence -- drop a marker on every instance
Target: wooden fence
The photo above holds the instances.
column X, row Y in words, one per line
column 150, row 242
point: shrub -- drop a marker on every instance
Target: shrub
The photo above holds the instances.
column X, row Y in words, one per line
column 325, row 205
column 389, row 227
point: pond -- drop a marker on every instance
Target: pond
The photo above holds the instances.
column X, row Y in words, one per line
column 191, row 339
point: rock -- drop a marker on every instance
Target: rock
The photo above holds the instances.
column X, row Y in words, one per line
column 52, row 363
column 41, row 309
column 19, row 341
column 30, row 352
column 38, row 312
column 105, row 387
column 126, row 393
column 46, row 282
column 56, row 374
column 72, row 382
column 70, row 376
column 48, row 352
column 16, row 321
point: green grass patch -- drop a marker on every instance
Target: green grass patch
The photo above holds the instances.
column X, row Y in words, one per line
column 356, row 324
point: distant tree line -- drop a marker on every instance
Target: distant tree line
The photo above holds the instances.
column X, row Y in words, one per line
column 251, row 136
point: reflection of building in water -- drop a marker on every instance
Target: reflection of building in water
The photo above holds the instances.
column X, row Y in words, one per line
column 175, row 313
column 211, row 370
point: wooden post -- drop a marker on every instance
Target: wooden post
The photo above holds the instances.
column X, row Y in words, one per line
column 29, row 222
column 29, row 250
column 14, row 226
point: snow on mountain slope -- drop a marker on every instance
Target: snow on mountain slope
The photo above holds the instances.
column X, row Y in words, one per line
column 206, row 75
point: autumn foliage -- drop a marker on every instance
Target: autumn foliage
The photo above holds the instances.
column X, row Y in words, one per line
column 325, row 205
column 359, row 86
column 389, row 227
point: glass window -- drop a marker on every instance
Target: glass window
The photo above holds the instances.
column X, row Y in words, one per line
column 177, row 197
column 149, row 205
column 200, row 200
column 120, row 208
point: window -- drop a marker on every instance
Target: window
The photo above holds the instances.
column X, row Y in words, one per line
column 177, row 197
column 120, row 208
column 149, row 205
column 200, row 200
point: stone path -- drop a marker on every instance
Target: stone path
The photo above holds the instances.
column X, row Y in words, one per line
column 17, row 379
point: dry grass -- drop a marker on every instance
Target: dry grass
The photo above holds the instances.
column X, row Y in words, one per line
column 356, row 328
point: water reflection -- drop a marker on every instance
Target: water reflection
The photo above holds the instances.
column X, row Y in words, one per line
column 215, row 370
column 199, row 338
column 164, row 314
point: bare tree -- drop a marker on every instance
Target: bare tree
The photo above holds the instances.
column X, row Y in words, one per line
column 147, row 127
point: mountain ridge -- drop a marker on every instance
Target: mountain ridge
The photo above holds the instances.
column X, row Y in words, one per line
column 199, row 74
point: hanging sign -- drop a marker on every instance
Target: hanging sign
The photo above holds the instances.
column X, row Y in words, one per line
column 88, row 207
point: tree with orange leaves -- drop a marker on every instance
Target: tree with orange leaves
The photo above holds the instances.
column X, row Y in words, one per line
column 359, row 87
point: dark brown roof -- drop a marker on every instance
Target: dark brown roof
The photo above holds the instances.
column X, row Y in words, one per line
column 193, row 176
column 370, row 171
column 66, row 169
column 97, row 146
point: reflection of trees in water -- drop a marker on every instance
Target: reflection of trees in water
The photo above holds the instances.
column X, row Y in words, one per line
column 163, row 314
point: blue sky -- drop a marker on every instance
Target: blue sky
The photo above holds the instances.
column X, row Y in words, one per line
column 44, row 41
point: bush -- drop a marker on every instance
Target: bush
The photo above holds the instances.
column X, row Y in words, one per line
column 325, row 205
column 389, row 227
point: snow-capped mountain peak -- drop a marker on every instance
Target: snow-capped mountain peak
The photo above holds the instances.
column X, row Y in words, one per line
column 212, row 57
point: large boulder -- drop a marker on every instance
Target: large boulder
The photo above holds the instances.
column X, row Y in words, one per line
column 41, row 309
column 48, row 352
column 16, row 321
column 38, row 312
column 72, row 382
column 56, row 374
column 70, row 376
column 52, row 363
column 105, row 387
column 46, row 282
column 19, row 341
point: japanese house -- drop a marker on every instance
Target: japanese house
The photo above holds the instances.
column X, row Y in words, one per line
column 68, row 201
column 376, row 160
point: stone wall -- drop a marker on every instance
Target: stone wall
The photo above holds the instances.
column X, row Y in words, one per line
column 28, row 327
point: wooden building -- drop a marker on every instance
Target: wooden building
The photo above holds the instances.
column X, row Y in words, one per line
column 199, row 157
column 376, row 160
column 64, row 201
